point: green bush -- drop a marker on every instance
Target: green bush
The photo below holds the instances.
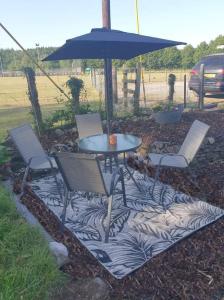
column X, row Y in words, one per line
column 65, row 116
column 164, row 107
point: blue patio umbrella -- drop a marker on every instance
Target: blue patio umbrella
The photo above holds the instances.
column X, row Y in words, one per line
column 103, row 43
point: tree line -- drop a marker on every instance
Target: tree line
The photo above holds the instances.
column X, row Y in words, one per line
column 169, row 58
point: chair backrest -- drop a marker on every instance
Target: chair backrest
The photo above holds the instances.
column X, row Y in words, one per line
column 81, row 172
column 193, row 140
column 89, row 124
column 26, row 142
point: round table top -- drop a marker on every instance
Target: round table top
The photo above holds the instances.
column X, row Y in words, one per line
column 99, row 143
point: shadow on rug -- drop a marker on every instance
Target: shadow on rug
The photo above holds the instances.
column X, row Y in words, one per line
column 152, row 222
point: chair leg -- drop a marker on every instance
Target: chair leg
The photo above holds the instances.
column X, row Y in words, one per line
column 123, row 188
column 105, row 163
column 108, row 218
column 58, row 185
column 156, row 177
column 146, row 170
column 63, row 215
column 24, row 178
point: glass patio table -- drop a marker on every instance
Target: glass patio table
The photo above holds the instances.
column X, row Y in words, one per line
column 99, row 144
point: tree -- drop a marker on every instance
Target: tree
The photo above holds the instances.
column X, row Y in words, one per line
column 84, row 65
column 187, row 56
column 165, row 58
column 171, row 58
column 201, row 50
column 153, row 60
column 215, row 43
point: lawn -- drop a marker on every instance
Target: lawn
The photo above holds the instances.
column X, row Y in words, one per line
column 15, row 106
column 15, row 116
column 27, row 269
column 13, row 92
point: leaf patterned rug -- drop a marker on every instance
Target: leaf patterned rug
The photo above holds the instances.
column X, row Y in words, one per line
column 152, row 222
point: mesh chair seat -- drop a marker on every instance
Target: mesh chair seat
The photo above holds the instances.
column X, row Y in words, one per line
column 42, row 163
column 88, row 124
column 187, row 152
column 82, row 172
column 31, row 151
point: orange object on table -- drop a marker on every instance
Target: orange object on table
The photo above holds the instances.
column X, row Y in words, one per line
column 112, row 139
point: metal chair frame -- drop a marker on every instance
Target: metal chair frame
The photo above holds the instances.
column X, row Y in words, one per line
column 117, row 176
column 188, row 162
column 28, row 164
column 160, row 165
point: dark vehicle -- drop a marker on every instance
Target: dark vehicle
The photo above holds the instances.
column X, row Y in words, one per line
column 213, row 75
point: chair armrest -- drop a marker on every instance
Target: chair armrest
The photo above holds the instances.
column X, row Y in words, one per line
column 169, row 154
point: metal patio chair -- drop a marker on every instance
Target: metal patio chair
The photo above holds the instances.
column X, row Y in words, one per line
column 82, row 172
column 88, row 124
column 32, row 152
column 187, row 152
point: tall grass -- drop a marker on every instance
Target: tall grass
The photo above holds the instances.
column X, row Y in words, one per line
column 27, row 269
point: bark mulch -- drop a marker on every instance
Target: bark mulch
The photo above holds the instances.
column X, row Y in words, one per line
column 191, row 269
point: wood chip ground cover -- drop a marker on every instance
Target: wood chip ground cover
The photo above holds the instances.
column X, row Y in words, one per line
column 193, row 268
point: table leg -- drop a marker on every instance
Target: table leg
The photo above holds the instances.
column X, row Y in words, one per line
column 111, row 167
column 132, row 177
column 115, row 157
column 126, row 167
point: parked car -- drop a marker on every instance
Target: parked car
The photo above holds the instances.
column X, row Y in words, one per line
column 213, row 75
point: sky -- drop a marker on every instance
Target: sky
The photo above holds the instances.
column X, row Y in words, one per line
column 51, row 22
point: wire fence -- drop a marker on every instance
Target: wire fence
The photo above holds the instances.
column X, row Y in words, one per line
column 13, row 89
column 15, row 105
column 153, row 89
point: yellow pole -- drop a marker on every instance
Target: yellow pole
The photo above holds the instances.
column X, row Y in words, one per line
column 140, row 58
column 137, row 16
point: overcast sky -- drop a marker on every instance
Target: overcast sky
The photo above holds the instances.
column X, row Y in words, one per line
column 50, row 23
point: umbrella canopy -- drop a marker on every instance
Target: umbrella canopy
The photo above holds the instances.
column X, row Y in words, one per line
column 103, row 43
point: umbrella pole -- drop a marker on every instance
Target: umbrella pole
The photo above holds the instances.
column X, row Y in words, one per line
column 107, row 68
column 108, row 93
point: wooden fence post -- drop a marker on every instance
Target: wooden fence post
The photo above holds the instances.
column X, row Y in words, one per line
column 137, row 89
column 91, row 75
column 33, row 97
column 125, row 87
column 171, row 83
column 94, row 77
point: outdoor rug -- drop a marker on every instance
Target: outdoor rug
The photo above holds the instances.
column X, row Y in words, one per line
column 152, row 222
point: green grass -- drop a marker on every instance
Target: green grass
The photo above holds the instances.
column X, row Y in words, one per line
column 13, row 92
column 15, row 116
column 27, row 269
